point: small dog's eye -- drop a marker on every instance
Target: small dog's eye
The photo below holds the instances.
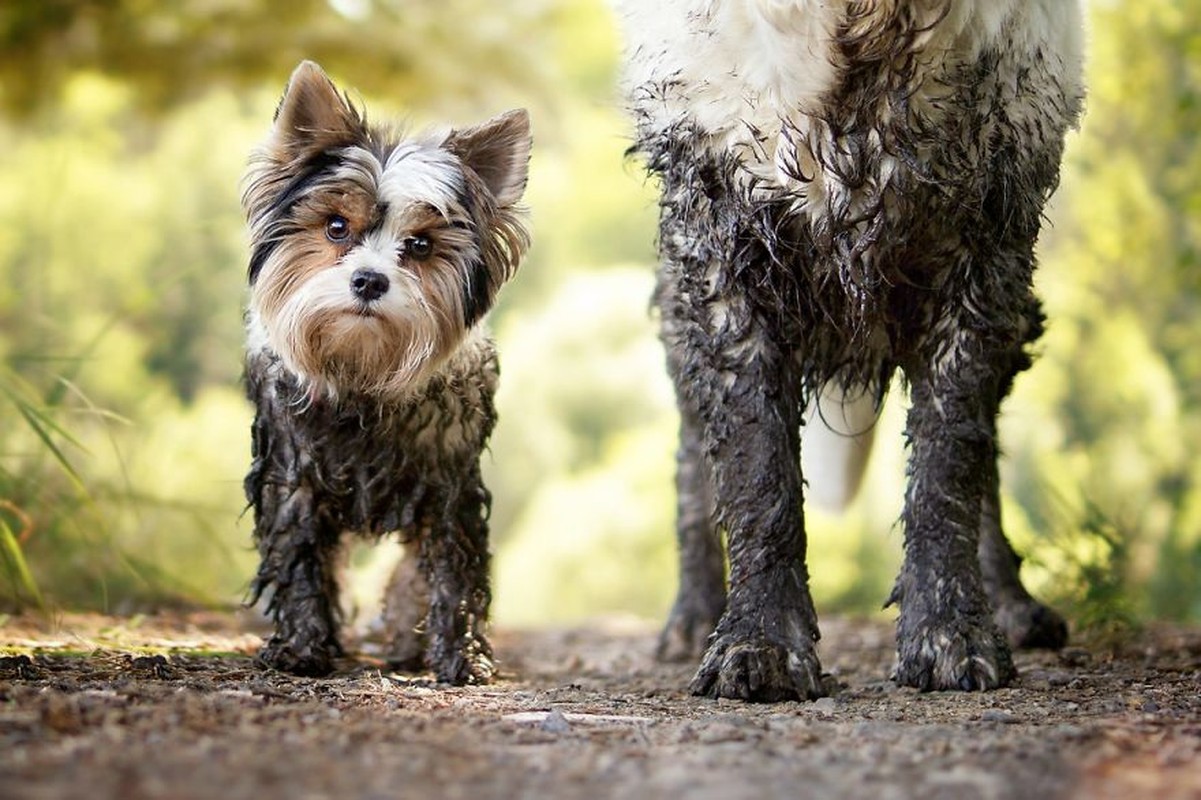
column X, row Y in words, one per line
column 419, row 247
column 337, row 229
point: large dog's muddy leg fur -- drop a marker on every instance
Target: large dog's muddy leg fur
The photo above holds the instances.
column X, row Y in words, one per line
column 702, row 587
column 1025, row 622
column 764, row 646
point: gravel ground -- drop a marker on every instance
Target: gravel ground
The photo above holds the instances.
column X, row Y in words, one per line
column 174, row 707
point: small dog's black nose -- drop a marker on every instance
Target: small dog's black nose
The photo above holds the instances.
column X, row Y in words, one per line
column 368, row 285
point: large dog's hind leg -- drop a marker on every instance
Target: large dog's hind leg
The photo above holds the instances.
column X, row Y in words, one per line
column 701, row 597
column 1026, row 622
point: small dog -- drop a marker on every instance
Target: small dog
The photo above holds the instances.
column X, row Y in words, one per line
column 374, row 256
column 848, row 189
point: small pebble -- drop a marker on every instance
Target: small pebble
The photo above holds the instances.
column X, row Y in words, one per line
column 18, row 666
column 156, row 666
column 555, row 722
column 1075, row 656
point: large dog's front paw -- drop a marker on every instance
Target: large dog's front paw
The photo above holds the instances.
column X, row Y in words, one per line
column 961, row 655
column 757, row 669
column 687, row 631
column 309, row 660
column 1029, row 625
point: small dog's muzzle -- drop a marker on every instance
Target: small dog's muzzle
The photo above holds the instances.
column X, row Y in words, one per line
column 368, row 285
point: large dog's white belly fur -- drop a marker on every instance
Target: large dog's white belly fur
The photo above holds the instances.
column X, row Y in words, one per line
column 744, row 71
column 734, row 67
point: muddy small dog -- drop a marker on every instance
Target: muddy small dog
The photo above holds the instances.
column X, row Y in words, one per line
column 374, row 256
column 848, row 190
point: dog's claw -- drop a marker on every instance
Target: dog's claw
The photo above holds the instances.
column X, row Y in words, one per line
column 963, row 657
column 758, row 670
column 314, row 661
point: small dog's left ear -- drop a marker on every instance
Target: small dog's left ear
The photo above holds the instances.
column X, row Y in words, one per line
column 313, row 115
column 499, row 152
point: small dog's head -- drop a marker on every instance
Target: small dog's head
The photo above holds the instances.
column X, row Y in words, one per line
column 372, row 253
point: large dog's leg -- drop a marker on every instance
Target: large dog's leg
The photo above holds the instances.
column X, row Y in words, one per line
column 1025, row 622
column 455, row 559
column 946, row 636
column 764, row 646
column 702, row 591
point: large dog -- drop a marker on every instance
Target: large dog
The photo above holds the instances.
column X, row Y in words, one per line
column 849, row 188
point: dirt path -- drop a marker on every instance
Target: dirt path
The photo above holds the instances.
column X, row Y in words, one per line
column 153, row 708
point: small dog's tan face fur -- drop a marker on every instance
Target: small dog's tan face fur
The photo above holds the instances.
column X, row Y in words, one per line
column 374, row 254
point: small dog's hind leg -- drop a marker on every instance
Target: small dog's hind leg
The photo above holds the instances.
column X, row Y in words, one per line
column 406, row 604
column 701, row 596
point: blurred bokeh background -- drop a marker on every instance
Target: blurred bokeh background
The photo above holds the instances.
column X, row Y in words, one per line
column 124, row 128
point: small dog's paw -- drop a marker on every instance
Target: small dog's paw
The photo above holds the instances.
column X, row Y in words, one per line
column 308, row 661
column 470, row 666
column 1030, row 625
column 686, row 633
column 474, row 671
column 412, row 662
column 406, row 652
column 758, row 670
column 480, row 671
column 962, row 656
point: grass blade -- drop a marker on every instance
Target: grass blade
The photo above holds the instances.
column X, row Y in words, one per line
column 11, row 548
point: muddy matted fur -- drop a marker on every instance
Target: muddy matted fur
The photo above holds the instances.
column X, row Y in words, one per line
column 848, row 189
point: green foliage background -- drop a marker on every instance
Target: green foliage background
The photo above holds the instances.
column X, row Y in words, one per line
column 124, row 127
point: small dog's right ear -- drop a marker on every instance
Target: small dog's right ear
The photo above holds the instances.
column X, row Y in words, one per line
column 313, row 116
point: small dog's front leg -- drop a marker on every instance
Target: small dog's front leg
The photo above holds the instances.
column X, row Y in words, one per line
column 456, row 561
column 298, row 546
